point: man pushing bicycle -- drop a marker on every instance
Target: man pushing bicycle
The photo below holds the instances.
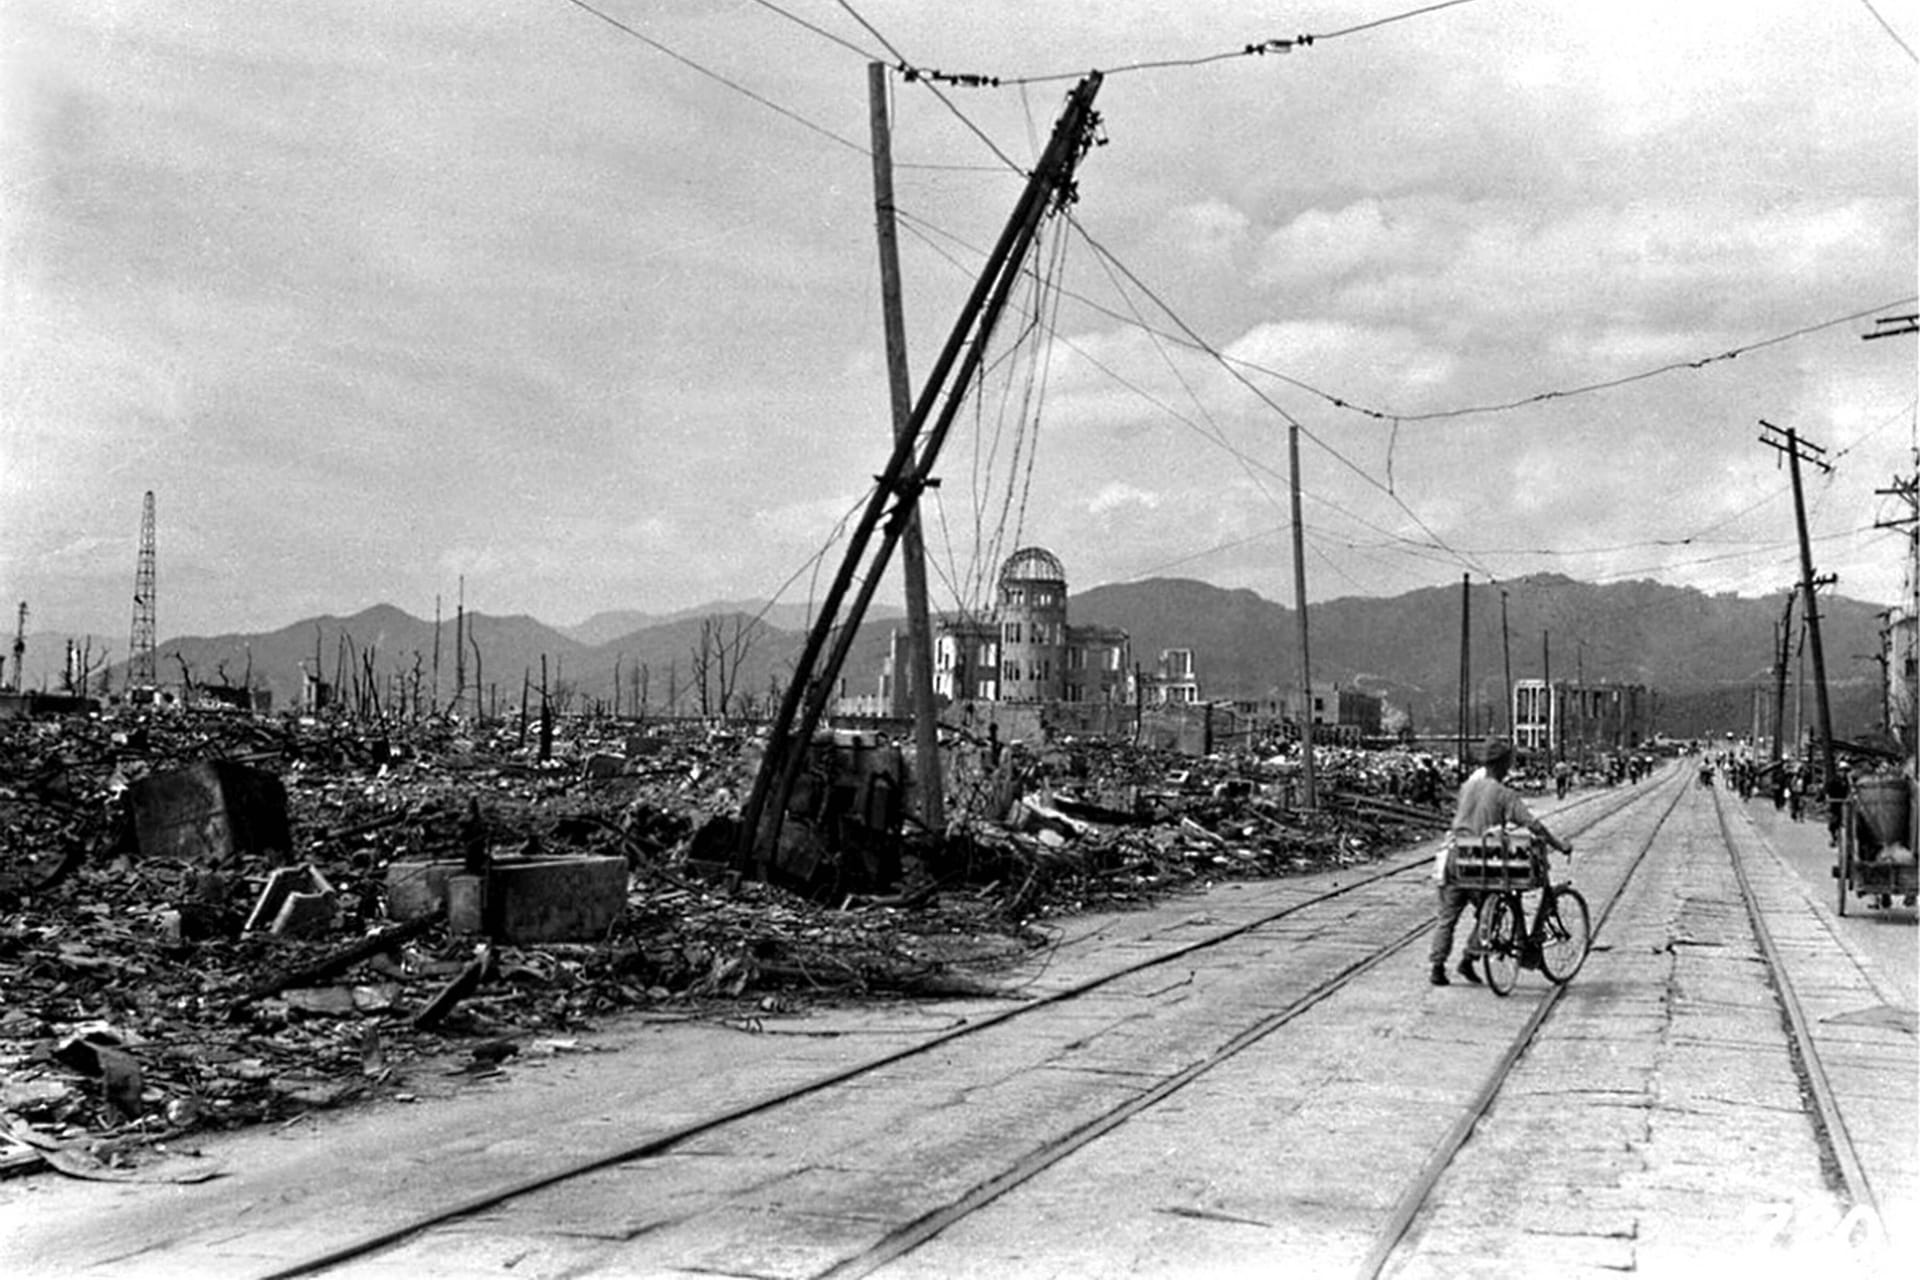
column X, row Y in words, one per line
column 1486, row 802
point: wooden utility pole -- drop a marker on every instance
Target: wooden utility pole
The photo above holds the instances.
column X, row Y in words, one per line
column 1506, row 653
column 913, row 556
column 908, row 471
column 1553, row 709
column 460, row 649
column 1783, row 643
column 1795, row 448
column 1466, row 666
column 1300, row 606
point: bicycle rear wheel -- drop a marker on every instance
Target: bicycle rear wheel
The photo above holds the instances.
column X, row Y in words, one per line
column 1564, row 934
column 1500, row 943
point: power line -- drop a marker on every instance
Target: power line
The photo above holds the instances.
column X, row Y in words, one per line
column 924, row 230
column 958, row 114
column 1891, row 33
column 1212, row 432
column 1612, row 383
column 820, row 31
column 1396, row 416
column 1398, row 17
column 711, row 74
column 1241, row 378
column 1256, row 49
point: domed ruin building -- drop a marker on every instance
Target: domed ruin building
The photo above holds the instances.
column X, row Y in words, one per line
column 1025, row 652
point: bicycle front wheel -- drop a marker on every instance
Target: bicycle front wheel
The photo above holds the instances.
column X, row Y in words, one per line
column 1500, row 942
column 1564, row 934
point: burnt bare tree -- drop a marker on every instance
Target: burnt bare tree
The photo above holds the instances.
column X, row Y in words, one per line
column 718, row 656
column 82, row 666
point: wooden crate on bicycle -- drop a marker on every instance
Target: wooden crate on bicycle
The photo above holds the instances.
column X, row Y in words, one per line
column 1502, row 859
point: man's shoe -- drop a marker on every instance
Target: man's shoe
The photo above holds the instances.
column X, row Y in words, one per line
column 1466, row 970
column 1439, row 976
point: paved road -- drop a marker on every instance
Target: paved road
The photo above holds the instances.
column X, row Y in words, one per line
column 1658, row 1124
column 1887, row 937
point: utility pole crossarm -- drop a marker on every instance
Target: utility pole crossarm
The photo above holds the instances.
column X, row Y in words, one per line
column 1798, row 451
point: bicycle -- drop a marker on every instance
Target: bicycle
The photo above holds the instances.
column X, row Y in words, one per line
column 1503, row 866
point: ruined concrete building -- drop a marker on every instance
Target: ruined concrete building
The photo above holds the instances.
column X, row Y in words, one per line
column 1024, row 652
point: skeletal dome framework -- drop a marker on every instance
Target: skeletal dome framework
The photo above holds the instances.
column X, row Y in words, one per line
column 1033, row 564
column 1033, row 626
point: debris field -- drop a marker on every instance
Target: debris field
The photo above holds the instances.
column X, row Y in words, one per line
column 153, row 991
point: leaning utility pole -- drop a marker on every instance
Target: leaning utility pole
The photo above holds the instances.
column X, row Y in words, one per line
column 913, row 555
column 908, row 472
column 1466, row 666
column 1796, row 449
column 1300, row 606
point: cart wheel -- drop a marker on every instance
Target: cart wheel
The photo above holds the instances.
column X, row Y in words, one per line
column 1842, row 872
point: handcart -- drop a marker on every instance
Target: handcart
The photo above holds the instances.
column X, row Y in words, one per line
column 1874, row 860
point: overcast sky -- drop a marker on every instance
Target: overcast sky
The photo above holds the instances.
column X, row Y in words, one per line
column 376, row 295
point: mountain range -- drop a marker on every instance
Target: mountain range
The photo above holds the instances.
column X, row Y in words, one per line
column 1704, row 656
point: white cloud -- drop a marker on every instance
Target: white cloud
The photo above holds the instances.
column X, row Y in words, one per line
column 1210, row 228
column 1118, row 494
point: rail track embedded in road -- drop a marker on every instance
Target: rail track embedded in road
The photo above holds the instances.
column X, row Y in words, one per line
column 1372, row 905
column 1417, row 1194
column 1831, row 1126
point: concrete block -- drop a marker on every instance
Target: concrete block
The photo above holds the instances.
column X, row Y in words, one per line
column 211, row 811
column 416, row 888
column 467, row 904
column 295, row 902
column 555, row 899
column 304, row 915
column 518, row 900
column 604, row 764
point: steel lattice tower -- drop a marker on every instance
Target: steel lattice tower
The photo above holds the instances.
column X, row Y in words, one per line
column 140, row 673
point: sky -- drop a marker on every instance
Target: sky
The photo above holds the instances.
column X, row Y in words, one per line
column 580, row 304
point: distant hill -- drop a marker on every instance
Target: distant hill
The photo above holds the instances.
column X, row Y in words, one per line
column 610, row 625
column 1704, row 656
column 658, row 663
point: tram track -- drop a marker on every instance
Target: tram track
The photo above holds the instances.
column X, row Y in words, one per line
column 1835, row 1138
column 1389, row 917
column 1416, row 1196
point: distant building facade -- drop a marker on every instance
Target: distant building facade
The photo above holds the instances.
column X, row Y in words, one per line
column 1574, row 720
column 1339, row 714
column 1175, row 681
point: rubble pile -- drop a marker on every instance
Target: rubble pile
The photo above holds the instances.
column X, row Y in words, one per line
column 1100, row 824
column 151, row 996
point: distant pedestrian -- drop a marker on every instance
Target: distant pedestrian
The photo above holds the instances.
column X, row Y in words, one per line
column 1839, row 785
column 1486, row 802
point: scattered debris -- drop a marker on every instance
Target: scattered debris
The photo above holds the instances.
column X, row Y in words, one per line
column 278, row 926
